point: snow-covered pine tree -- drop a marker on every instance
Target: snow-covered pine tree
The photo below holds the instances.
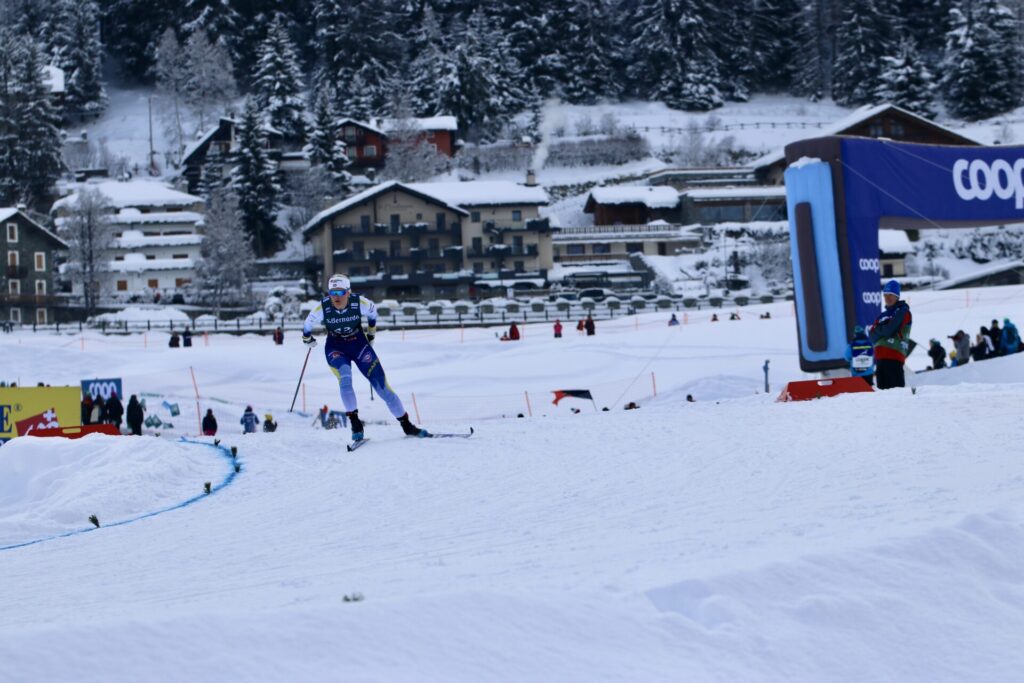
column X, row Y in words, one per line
column 812, row 76
column 211, row 83
column 434, row 72
column 278, row 83
column 673, row 56
column 775, row 49
column 133, row 29
column 76, row 48
column 981, row 65
column 532, row 28
column 863, row 38
column 228, row 260
column 38, row 126
column 10, row 47
column 325, row 146
column 255, row 183
column 926, row 23
column 170, row 67
column 218, row 19
column 589, row 75
column 28, row 18
column 906, row 81
column 736, row 56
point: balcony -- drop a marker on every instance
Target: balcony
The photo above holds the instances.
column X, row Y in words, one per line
column 29, row 300
column 17, row 272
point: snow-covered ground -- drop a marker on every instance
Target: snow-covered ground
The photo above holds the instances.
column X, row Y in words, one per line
column 733, row 539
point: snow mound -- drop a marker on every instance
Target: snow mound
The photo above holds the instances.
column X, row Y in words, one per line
column 154, row 313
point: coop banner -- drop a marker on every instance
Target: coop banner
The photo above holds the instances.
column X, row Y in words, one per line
column 23, row 410
column 102, row 387
column 840, row 191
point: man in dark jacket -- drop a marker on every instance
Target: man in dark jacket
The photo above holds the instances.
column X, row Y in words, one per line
column 937, row 354
column 87, row 409
column 115, row 410
column 135, row 415
column 890, row 333
column 186, row 337
column 209, row 423
column 996, row 335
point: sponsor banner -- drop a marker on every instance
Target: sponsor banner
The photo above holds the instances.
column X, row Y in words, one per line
column 24, row 409
column 102, row 387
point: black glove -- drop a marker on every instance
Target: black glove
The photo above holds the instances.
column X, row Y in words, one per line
column 309, row 340
column 371, row 334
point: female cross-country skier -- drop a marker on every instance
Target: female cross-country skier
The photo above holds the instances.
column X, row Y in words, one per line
column 341, row 313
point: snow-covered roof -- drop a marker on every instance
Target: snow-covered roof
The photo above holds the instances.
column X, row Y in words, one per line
column 894, row 242
column 131, row 215
column 847, row 122
column 425, row 123
column 364, row 124
column 53, row 78
column 989, row 270
column 484, row 192
column 134, row 193
column 370, row 193
column 751, row 192
column 661, row 197
column 196, row 144
column 7, row 212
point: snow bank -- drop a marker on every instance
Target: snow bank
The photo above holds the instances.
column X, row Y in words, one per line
column 154, row 313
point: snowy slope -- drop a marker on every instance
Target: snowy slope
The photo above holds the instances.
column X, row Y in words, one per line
column 867, row 537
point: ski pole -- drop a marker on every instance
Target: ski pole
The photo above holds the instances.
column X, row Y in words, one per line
column 301, row 374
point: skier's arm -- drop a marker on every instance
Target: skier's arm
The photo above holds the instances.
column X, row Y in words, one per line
column 315, row 317
column 888, row 328
column 370, row 309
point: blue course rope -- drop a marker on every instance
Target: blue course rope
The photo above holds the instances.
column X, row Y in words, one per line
column 223, row 451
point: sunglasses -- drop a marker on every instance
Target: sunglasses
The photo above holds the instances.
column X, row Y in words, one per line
column 338, row 292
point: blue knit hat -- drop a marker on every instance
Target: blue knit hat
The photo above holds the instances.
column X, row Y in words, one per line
column 891, row 287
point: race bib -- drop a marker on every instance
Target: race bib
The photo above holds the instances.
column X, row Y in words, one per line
column 861, row 362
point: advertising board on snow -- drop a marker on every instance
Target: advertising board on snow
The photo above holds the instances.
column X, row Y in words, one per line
column 102, row 387
column 24, row 409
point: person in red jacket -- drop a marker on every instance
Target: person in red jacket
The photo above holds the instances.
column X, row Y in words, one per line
column 558, row 329
column 513, row 332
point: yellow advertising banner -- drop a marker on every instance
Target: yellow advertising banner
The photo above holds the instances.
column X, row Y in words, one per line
column 23, row 409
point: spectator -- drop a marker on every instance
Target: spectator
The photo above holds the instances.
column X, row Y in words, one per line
column 632, row 405
column 890, row 334
column 767, row 315
column 135, row 416
column 734, row 316
column 996, row 335
column 589, row 325
column 513, row 332
column 115, row 410
column 937, row 354
column 249, row 421
column 714, row 317
column 99, row 411
column 186, row 337
column 279, row 336
column 690, row 399
column 268, row 423
column 860, row 354
column 175, row 341
column 209, row 423
column 156, row 297
column 580, row 327
column 87, row 409
column 962, row 346
column 1010, row 342
column 558, row 328
column 673, row 321
column 982, row 348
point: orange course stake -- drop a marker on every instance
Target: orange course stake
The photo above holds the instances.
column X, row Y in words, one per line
column 416, row 409
column 529, row 410
column 654, row 385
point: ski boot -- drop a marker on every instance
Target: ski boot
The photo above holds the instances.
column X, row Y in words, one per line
column 356, row 424
column 409, row 428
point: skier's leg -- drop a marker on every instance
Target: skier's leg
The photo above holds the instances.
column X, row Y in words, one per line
column 342, row 369
column 369, row 364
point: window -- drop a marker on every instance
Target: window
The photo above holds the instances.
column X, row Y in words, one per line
column 350, row 133
column 397, row 269
column 897, row 129
column 396, row 222
column 575, row 249
column 886, row 270
column 876, row 130
column 434, row 247
column 12, row 232
column 517, row 215
column 151, row 257
column 478, row 267
column 602, row 248
column 40, row 261
column 15, row 315
column 719, row 214
column 517, row 244
column 180, row 256
column 478, row 245
column 634, row 247
column 350, row 152
column 14, row 286
column 40, row 316
column 119, row 258
column 370, row 151
column 41, row 287
column 364, row 223
column 395, row 248
column 12, row 259
column 520, row 266
column 152, row 284
column 358, row 249
column 769, row 212
column 419, row 216
column 442, row 222
column 474, row 216
column 438, row 267
column 122, row 285
column 182, row 281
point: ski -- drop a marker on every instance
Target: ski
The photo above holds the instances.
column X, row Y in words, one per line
column 447, row 435
column 355, row 444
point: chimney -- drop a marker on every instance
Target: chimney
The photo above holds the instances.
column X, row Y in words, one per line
column 531, row 178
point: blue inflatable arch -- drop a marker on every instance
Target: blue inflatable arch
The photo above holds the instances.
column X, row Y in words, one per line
column 841, row 190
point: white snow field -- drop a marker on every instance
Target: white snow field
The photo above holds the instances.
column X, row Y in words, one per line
column 861, row 538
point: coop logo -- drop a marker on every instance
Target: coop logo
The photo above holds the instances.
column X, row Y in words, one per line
column 980, row 180
column 104, row 389
column 869, row 264
column 871, row 297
